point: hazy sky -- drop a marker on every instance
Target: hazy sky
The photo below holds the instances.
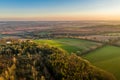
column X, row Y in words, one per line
column 59, row 9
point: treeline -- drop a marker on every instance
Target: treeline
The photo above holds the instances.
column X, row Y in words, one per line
column 25, row 60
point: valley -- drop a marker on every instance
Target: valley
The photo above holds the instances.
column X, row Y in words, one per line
column 95, row 41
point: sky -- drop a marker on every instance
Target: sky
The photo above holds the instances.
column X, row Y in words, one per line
column 50, row 10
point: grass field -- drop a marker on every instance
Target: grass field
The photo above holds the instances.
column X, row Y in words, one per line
column 70, row 45
column 106, row 58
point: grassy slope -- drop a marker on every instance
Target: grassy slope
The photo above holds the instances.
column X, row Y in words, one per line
column 106, row 58
column 70, row 45
column 109, row 61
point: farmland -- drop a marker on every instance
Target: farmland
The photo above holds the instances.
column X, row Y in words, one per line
column 98, row 42
column 95, row 30
column 59, row 39
column 106, row 58
column 71, row 45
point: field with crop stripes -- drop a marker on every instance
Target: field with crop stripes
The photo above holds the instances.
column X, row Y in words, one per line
column 107, row 58
column 71, row 45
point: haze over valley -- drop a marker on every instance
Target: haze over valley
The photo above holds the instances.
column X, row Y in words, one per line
column 59, row 39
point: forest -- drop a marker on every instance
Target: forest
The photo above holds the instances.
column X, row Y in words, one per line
column 26, row 60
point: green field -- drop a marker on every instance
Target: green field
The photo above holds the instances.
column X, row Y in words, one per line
column 106, row 58
column 70, row 45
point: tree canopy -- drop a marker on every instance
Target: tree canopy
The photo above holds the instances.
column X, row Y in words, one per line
column 25, row 60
